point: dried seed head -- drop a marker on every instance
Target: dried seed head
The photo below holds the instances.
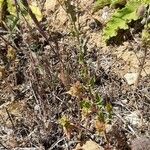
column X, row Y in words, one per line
column 141, row 11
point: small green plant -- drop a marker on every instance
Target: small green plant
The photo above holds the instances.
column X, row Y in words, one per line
column 67, row 126
column 132, row 11
column 86, row 108
column 89, row 102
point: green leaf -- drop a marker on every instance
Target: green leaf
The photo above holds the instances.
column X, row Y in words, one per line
column 114, row 3
column 85, row 104
column 109, row 107
column 99, row 4
column 92, row 81
column 101, row 117
column 35, row 9
column 12, row 22
column 146, row 1
column 99, row 101
column 11, row 7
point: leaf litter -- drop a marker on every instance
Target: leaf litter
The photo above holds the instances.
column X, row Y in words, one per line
column 54, row 93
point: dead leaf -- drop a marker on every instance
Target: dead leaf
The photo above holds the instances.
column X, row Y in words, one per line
column 11, row 54
column 100, row 126
column 3, row 72
column 65, row 78
column 131, row 59
column 76, row 90
column 89, row 145
column 50, row 6
column 12, row 142
column 86, row 5
column 14, row 108
column 61, row 18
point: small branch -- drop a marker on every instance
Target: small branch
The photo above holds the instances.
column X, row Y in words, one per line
column 32, row 15
column 10, row 118
column 8, row 43
column 141, row 66
column 3, row 145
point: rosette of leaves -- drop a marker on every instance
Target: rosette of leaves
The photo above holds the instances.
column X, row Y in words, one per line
column 86, row 108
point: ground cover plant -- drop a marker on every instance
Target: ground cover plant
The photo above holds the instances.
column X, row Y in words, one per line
column 74, row 75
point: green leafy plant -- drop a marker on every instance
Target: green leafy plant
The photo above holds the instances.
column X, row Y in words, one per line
column 67, row 126
column 132, row 11
column 86, row 108
column 122, row 17
column 89, row 102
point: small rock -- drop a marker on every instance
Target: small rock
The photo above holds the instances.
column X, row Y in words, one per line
column 141, row 143
column 131, row 78
column 133, row 118
column 125, row 101
column 95, row 25
column 50, row 5
column 32, row 148
column 89, row 145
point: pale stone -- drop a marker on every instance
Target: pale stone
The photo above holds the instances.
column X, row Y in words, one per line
column 131, row 78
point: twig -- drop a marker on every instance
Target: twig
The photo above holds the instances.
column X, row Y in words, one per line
column 3, row 145
column 10, row 118
column 129, row 127
column 55, row 144
column 49, row 38
column 141, row 66
column 32, row 15
column 8, row 43
column 17, row 8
